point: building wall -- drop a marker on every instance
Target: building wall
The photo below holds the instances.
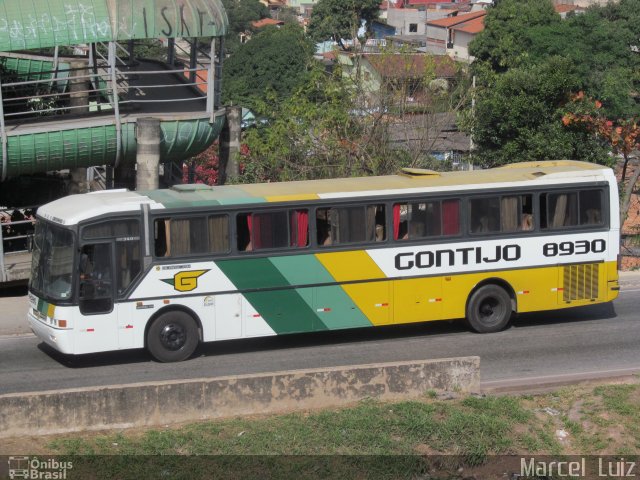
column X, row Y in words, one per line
column 460, row 50
column 436, row 39
column 403, row 18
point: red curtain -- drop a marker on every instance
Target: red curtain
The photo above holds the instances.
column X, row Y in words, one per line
column 396, row 221
column 451, row 217
column 302, row 230
column 299, row 227
column 253, row 222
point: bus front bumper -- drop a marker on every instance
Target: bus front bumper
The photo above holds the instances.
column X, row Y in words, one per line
column 59, row 339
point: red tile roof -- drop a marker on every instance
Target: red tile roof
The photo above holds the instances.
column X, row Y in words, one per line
column 452, row 21
column 266, row 21
column 410, row 65
column 475, row 25
column 566, row 8
column 427, row 2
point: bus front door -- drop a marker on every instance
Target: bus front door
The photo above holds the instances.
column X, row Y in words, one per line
column 97, row 324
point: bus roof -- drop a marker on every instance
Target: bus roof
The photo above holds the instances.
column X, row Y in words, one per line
column 72, row 209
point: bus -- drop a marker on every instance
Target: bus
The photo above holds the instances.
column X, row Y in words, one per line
column 167, row 269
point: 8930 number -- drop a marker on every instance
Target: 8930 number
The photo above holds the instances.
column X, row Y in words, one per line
column 579, row 247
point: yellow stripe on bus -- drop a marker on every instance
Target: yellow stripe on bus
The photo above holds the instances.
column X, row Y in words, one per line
column 372, row 298
column 50, row 310
column 292, row 198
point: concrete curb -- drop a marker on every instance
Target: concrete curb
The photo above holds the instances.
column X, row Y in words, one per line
column 149, row 404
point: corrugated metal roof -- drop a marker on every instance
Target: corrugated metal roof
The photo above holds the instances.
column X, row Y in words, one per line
column 47, row 23
column 411, row 65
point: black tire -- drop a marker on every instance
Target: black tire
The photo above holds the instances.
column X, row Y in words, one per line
column 172, row 337
column 489, row 309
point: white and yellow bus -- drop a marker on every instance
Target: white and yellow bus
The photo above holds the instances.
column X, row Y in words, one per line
column 167, row 269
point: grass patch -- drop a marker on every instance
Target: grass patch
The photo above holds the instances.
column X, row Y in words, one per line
column 374, row 439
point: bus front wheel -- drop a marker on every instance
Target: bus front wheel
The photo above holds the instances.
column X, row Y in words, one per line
column 172, row 337
column 489, row 309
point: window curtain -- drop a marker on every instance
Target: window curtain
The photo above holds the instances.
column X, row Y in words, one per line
column 218, row 233
column 560, row 211
column 371, row 223
column 299, row 228
column 179, row 237
column 396, row 221
column 509, row 214
column 451, row 217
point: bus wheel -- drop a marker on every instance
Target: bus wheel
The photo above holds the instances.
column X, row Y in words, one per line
column 489, row 309
column 172, row 337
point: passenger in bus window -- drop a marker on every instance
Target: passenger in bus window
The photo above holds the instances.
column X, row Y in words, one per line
column 379, row 233
column 593, row 216
column 527, row 222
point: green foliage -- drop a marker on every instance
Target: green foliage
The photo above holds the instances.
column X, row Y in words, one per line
column 518, row 117
column 340, row 19
column 508, row 30
column 241, row 13
column 274, row 62
column 529, row 64
column 313, row 134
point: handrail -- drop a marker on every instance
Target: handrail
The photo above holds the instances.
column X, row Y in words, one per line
column 3, row 139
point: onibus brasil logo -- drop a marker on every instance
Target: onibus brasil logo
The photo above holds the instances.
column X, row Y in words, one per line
column 36, row 468
column 185, row 281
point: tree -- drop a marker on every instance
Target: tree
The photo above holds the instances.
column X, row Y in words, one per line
column 241, row 14
column 341, row 19
column 275, row 61
column 509, row 30
column 621, row 136
column 529, row 63
column 518, row 115
column 314, row 134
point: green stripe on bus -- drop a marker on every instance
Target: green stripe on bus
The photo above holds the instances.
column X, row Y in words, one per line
column 286, row 311
column 331, row 303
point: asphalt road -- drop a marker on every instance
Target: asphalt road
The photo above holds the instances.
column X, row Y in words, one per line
column 600, row 339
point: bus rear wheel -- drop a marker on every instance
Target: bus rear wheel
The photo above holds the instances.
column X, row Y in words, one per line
column 489, row 309
column 172, row 337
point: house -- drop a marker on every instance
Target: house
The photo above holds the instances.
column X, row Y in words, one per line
column 398, row 80
column 451, row 35
column 434, row 134
column 407, row 21
column 266, row 22
column 274, row 5
column 565, row 10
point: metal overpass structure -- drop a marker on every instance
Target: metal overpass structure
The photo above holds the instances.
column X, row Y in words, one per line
column 77, row 75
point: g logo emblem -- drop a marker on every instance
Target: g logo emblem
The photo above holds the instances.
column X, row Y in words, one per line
column 185, row 281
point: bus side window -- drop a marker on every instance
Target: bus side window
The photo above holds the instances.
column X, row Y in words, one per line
column 299, row 228
column 590, row 207
column 160, row 237
column 484, row 215
column 559, row 210
column 323, row 227
column 516, row 213
column 243, row 232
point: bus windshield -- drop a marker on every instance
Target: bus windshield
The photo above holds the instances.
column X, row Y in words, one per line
column 52, row 261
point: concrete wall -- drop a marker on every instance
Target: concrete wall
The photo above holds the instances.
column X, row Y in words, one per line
column 401, row 18
column 192, row 400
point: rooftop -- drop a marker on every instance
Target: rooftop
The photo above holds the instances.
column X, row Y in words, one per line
column 449, row 22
